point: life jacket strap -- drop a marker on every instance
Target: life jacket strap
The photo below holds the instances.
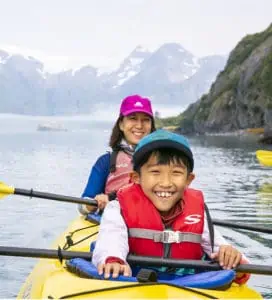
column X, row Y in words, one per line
column 166, row 236
column 210, row 226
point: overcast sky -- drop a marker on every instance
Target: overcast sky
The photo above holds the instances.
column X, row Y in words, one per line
column 70, row 33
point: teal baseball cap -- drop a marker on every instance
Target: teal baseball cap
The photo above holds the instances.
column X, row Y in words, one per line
column 162, row 139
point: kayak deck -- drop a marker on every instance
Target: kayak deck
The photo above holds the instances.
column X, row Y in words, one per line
column 50, row 279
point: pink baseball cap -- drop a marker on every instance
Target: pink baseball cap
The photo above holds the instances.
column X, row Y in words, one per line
column 136, row 103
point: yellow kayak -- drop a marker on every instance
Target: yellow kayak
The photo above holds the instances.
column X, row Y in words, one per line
column 50, row 278
column 264, row 157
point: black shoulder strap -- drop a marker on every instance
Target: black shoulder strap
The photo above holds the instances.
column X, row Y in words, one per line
column 113, row 157
column 210, row 226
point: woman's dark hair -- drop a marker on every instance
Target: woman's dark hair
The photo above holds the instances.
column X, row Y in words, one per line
column 165, row 156
column 117, row 135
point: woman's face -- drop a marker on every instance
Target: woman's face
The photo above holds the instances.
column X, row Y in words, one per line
column 135, row 126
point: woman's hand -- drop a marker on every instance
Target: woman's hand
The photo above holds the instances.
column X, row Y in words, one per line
column 227, row 256
column 102, row 200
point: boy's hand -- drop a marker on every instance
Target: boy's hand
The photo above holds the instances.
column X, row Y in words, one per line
column 102, row 200
column 227, row 256
column 115, row 268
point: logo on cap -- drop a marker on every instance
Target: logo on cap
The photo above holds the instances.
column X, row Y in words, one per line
column 138, row 104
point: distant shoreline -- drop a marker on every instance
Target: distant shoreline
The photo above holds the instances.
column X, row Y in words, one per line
column 258, row 132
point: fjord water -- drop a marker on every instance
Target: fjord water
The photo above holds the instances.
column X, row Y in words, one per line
column 236, row 188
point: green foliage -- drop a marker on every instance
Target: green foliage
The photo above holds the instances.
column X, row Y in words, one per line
column 269, row 104
column 203, row 111
column 244, row 48
column 231, row 85
column 266, row 75
column 170, row 121
column 262, row 79
column 187, row 124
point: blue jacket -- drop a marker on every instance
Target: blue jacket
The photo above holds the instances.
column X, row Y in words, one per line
column 98, row 177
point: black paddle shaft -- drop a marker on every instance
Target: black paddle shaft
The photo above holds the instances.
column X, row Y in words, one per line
column 242, row 226
column 63, row 198
column 43, row 253
column 56, row 197
column 195, row 264
column 132, row 259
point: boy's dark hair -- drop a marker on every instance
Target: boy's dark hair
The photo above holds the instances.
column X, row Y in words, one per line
column 165, row 156
column 117, row 135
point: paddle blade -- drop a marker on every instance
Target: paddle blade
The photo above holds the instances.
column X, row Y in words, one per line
column 5, row 190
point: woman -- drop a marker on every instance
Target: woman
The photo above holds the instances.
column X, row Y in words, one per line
column 112, row 170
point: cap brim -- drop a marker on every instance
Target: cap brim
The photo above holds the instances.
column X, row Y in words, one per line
column 129, row 112
column 138, row 155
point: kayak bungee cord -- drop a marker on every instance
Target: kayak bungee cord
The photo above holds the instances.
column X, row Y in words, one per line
column 69, row 241
column 133, row 286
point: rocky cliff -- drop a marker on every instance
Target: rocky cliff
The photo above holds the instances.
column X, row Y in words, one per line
column 240, row 97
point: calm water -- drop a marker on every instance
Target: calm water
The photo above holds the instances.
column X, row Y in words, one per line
column 236, row 188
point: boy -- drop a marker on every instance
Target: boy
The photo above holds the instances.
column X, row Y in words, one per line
column 158, row 215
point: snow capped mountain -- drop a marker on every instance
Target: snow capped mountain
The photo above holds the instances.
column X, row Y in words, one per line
column 27, row 65
column 130, row 67
column 170, row 64
column 3, row 56
column 173, row 62
column 170, row 75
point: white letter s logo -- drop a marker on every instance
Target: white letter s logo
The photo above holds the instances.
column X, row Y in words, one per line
column 192, row 219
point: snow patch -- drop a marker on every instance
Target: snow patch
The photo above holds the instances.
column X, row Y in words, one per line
column 141, row 48
column 128, row 75
column 130, row 69
column 42, row 73
column 135, row 61
column 122, row 74
column 194, row 71
column 104, row 71
column 196, row 61
column 3, row 60
column 187, row 64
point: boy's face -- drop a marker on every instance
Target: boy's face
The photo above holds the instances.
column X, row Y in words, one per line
column 163, row 184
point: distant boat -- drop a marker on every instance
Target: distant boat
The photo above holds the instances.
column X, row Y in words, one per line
column 51, row 127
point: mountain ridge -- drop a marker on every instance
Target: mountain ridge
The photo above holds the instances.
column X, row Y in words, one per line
column 167, row 76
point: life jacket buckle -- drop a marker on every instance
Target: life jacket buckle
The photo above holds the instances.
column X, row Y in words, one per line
column 169, row 237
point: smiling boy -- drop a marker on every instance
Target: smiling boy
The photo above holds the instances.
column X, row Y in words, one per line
column 159, row 215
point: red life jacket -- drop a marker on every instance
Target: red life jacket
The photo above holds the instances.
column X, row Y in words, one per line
column 146, row 228
column 121, row 176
